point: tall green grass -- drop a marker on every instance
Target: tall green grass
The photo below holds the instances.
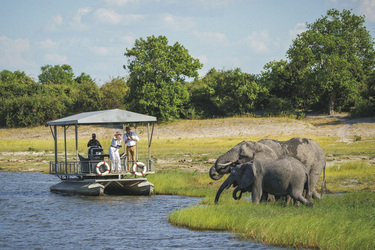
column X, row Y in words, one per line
column 336, row 222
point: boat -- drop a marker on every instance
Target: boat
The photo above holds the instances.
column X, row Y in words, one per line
column 92, row 175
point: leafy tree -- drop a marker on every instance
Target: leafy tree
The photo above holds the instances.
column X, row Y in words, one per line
column 17, row 99
column 113, row 94
column 57, row 74
column 332, row 59
column 14, row 84
column 87, row 95
column 225, row 92
column 158, row 72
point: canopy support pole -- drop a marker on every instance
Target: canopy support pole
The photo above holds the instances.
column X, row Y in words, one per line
column 54, row 135
column 76, row 136
column 66, row 154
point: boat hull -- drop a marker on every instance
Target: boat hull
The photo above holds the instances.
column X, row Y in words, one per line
column 131, row 186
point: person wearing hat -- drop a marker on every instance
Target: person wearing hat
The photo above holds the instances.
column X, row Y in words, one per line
column 130, row 139
column 114, row 154
column 93, row 142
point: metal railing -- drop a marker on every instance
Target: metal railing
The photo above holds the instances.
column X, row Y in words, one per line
column 89, row 167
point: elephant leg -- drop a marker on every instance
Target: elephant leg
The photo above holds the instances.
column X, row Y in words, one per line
column 264, row 197
column 313, row 180
column 298, row 197
column 256, row 194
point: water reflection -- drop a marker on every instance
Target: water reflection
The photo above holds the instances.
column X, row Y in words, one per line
column 33, row 217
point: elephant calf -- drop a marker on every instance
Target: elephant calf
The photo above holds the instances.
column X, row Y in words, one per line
column 280, row 177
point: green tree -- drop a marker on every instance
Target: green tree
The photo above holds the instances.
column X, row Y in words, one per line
column 18, row 94
column 57, row 74
column 157, row 77
column 332, row 59
column 87, row 95
column 225, row 92
column 58, row 83
column 113, row 93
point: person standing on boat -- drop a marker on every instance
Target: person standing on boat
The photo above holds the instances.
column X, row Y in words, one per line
column 93, row 142
column 130, row 139
column 114, row 154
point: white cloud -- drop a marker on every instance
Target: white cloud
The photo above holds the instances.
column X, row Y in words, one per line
column 55, row 58
column 202, row 59
column 120, row 2
column 12, row 52
column 259, row 42
column 102, row 51
column 47, row 44
column 212, row 37
column 177, row 23
column 298, row 29
column 76, row 22
column 54, row 24
column 368, row 9
column 108, row 16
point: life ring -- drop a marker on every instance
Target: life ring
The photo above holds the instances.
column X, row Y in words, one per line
column 137, row 165
column 106, row 171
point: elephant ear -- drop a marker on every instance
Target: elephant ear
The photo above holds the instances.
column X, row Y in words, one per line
column 248, row 175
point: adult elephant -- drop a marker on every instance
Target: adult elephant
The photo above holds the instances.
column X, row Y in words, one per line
column 280, row 177
column 305, row 150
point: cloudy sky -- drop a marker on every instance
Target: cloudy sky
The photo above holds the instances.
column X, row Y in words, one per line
column 92, row 35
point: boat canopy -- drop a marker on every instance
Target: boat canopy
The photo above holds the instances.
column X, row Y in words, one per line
column 103, row 117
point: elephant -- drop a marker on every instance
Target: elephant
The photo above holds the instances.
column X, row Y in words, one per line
column 307, row 151
column 279, row 177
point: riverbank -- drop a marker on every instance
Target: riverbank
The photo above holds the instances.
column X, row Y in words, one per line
column 185, row 150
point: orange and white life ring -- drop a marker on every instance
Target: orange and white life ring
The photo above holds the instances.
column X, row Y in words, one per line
column 106, row 171
column 139, row 165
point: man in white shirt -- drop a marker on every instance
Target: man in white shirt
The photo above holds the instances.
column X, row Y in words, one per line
column 130, row 139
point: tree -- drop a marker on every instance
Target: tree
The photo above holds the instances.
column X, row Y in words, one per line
column 113, row 93
column 332, row 59
column 87, row 95
column 225, row 92
column 157, row 75
column 57, row 74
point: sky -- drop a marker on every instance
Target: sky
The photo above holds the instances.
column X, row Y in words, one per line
column 92, row 35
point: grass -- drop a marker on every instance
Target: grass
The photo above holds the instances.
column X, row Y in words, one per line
column 336, row 222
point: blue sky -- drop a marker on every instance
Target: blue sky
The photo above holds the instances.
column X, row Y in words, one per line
column 92, row 35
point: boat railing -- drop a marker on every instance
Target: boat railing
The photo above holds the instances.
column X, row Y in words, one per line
column 85, row 167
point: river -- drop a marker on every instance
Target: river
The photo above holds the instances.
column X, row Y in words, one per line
column 31, row 217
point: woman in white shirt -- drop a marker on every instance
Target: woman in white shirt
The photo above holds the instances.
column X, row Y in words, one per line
column 114, row 154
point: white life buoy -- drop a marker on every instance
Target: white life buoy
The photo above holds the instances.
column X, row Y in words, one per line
column 106, row 171
column 139, row 165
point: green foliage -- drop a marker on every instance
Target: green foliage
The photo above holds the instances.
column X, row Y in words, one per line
column 113, row 93
column 157, row 77
column 87, row 95
column 56, row 74
column 332, row 60
column 225, row 92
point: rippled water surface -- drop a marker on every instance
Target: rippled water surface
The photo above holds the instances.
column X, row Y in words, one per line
column 31, row 217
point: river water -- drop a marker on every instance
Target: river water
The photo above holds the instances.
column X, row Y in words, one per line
column 31, row 217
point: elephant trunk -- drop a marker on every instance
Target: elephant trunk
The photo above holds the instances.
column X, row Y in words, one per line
column 226, row 184
column 236, row 190
column 214, row 174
